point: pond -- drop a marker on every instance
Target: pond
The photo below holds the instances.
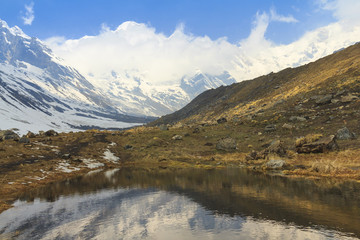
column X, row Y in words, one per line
column 186, row 204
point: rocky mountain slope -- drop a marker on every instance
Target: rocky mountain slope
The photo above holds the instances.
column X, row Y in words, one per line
column 327, row 88
column 39, row 92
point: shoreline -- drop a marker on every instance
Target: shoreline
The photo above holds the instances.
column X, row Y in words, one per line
column 68, row 155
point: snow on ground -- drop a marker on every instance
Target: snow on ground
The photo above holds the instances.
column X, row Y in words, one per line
column 109, row 156
column 65, row 167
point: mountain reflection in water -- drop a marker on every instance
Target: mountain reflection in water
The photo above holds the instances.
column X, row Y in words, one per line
column 186, row 204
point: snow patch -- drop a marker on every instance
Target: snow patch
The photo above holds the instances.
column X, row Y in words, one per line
column 109, row 156
column 66, row 167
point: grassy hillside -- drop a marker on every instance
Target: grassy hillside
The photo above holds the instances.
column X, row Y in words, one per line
column 276, row 92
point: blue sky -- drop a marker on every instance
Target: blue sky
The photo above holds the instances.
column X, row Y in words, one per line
column 233, row 19
column 161, row 41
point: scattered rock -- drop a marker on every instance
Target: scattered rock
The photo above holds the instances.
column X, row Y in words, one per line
column 253, row 155
column 270, row 128
column 196, row 130
column 297, row 119
column 309, row 138
column 276, row 147
column 163, row 127
column 287, row 126
column 348, row 98
column 66, row 156
column 177, row 137
column 51, row 133
column 324, row 99
column 226, row 144
column 8, row 134
column 322, row 145
column 24, row 140
column 275, row 164
column 221, row 120
column 30, row 135
column 340, row 92
column 127, row 147
column 345, row 134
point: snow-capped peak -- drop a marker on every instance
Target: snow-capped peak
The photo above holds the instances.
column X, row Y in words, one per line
column 16, row 31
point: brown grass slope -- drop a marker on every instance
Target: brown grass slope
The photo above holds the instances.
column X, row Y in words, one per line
column 329, row 75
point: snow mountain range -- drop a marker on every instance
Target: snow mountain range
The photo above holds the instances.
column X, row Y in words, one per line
column 39, row 92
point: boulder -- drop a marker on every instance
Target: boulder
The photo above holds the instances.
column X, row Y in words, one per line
column 287, row 126
column 308, row 139
column 127, row 146
column 196, row 130
column 254, row 155
column 275, row 164
column 276, row 147
column 322, row 145
column 30, row 135
column 51, row 133
column 270, row 128
column 226, row 144
column 324, row 99
column 297, row 119
column 8, row 134
column 345, row 134
column 221, row 120
column 66, row 156
column 348, row 98
column 177, row 137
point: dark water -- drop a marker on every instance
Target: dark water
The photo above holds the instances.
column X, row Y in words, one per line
column 186, row 204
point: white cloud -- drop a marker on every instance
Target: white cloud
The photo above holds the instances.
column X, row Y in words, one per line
column 137, row 49
column 274, row 16
column 343, row 10
column 134, row 47
column 29, row 14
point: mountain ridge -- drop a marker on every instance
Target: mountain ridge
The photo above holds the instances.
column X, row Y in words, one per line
column 247, row 97
column 39, row 92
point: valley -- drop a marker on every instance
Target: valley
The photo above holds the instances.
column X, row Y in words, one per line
column 296, row 130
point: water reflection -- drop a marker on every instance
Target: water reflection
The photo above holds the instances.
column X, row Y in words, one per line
column 186, row 204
